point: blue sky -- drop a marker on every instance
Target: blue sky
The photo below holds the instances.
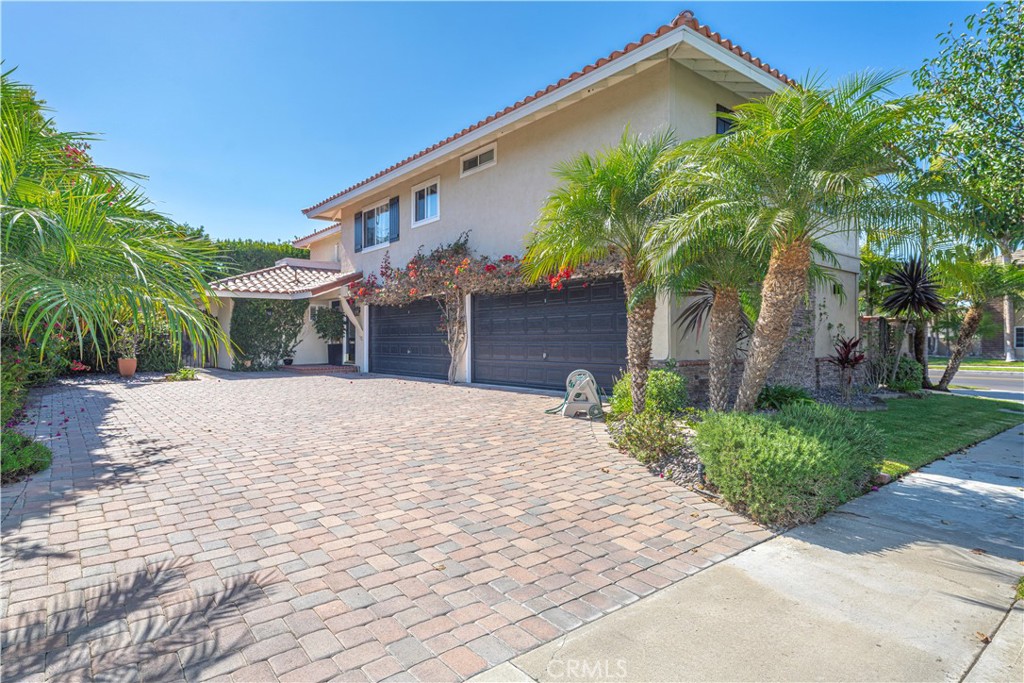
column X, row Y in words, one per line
column 241, row 114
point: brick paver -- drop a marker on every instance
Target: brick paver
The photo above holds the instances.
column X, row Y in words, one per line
column 309, row 528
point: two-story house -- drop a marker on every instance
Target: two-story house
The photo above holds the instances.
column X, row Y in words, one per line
column 490, row 179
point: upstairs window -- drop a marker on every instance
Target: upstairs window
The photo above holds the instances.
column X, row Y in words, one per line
column 485, row 157
column 376, row 226
column 426, row 202
column 722, row 126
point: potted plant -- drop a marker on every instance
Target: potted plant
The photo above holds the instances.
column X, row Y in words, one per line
column 288, row 361
column 126, row 346
column 330, row 324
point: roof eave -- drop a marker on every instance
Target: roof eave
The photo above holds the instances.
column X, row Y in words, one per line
column 589, row 80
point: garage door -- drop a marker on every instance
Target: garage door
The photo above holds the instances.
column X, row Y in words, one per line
column 407, row 341
column 536, row 338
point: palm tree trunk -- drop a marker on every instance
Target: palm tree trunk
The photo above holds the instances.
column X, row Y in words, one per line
column 921, row 350
column 783, row 288
column 639, row 336
column 968, row 329
column 723, row 326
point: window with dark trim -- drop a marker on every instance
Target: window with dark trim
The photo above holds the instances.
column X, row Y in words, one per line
column 1018, row 337
column 722, row 126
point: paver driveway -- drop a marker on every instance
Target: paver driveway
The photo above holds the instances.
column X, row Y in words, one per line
column 307, row 528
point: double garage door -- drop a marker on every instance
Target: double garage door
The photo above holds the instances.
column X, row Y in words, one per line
column 528, row 339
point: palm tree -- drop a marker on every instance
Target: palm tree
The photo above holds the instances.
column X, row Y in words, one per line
column 80, row 245
column 913, row 293
column 599, row 210
column 797, row 166
column 970, row 278
column 721, row 275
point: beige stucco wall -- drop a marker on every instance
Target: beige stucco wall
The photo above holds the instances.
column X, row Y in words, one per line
column 222, row 308
column 499, row 205
column 324, row 250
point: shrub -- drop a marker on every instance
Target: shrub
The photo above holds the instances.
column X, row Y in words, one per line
column 908, row 376
column 648, row 436
column 666, row 393
column 20, row 455
column 792, row 466
column 777, row 396
column 182, row 375
column 266, row 331
column 156, row 352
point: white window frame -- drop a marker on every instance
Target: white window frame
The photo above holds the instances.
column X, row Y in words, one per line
column 475, row 153
column 436, row 180
column 385, row 203
column 313, row 307
column 1016, row 332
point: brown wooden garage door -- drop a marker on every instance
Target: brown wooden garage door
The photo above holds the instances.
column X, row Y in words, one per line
column 536, row 338
column 408, row 341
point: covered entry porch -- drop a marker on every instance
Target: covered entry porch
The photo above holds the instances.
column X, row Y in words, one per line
column 321, row 282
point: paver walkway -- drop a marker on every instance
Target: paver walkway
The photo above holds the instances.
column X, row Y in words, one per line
column 906, row 584
column 306, row 528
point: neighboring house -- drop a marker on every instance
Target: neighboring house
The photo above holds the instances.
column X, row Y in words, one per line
column 491, row 179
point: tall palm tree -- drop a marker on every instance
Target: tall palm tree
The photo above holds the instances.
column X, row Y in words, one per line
column 973, row 280
column 599, row 210
column 797, row 166
column 80, row 245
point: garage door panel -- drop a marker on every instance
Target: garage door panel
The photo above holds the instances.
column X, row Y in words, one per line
column 538, row 337
column 407, row 341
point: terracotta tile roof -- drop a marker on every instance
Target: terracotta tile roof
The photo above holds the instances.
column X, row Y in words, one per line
column 286, row 277
column 683, row 19
column 321, row 231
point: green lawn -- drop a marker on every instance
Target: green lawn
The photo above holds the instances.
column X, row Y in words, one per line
column 922, row 430
column 980, row 364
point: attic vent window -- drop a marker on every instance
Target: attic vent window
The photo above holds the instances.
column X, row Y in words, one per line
column 479, row 160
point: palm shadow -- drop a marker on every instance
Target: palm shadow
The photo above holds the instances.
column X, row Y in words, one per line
column 129, row 627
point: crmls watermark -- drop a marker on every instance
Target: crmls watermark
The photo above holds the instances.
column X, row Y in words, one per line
column 582, row 669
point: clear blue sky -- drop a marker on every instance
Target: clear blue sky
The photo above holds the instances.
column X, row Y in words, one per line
column 241, row 114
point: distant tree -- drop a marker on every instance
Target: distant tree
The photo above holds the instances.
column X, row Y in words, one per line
column 977, row 122
column 241, row 256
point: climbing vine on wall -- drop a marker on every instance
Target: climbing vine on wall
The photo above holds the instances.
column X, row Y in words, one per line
column 265, row 331
column 446, row 275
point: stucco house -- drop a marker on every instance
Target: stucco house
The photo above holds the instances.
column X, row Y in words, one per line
column 491, row 178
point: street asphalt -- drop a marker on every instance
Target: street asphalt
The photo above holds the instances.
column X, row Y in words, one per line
column 1008, row 386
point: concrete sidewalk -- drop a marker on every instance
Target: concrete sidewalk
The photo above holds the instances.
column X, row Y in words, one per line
column 904, row 584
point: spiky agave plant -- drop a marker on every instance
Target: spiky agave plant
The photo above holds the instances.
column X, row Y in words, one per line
column 912, row 293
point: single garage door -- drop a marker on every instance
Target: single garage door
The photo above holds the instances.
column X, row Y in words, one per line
column 407, row 341
column 536, row 338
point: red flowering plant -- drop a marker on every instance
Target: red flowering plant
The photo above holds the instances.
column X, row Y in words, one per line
column 446, row 275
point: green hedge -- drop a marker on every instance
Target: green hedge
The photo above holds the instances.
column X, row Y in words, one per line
column 792, row 466
column 266, row 331
column 666, row 393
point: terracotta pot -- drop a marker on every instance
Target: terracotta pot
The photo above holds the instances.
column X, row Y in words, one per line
column 126, row 366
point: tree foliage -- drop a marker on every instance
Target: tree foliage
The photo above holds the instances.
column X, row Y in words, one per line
column 977, row 114
column 81, row 246
column 266, row 331
column 600, row 211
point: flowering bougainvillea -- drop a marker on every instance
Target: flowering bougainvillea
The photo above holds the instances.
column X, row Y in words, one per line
column 446, row 275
